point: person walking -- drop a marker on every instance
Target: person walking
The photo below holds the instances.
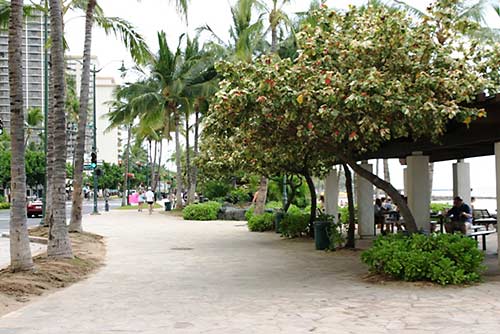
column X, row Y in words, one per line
column 141, row 200
column 150, row 199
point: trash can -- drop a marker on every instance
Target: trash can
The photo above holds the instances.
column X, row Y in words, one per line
column 168, row 206
column 321, row 239
column 277, row 220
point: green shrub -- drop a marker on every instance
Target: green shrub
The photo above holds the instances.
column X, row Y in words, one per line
column 238, row 195
column 439, row 207
column 344, row 214
column 249, row 213
column 441, row 258
column 295, row 210
column 294, row 223
column 4, row 206
column 274, row 205
column 202, row 211
column 215, row 189
column 261, row 223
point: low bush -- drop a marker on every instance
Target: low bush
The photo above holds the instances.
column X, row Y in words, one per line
column 202, row 211
column 4, row 206
column 440, row 207
column 275, row 205
column 441, row 258
column 249, row 213
column 294, row 223
column 261, row 223
column 238, row 195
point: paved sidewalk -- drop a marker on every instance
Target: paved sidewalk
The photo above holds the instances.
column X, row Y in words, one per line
column 164, row 275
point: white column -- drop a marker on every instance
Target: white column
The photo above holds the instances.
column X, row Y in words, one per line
column 497, row 163
column 366, row 216
column 461, row 180
column 332, row 193
column 405, row 180
column 419, row 194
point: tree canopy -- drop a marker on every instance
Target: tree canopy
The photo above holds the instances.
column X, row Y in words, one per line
column 363, row 77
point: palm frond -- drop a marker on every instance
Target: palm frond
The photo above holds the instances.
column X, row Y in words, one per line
column 131, row 38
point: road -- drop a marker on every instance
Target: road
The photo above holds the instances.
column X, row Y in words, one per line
column 88, row 207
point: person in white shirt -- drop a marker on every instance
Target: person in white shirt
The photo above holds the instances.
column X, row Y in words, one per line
column 150, row 199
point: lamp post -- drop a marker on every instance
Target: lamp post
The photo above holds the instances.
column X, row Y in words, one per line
column 94, row 144
column 94, row 72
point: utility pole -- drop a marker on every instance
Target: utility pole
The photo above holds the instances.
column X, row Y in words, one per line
column 45, row 105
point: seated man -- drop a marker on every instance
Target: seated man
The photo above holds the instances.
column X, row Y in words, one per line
column 460, row 214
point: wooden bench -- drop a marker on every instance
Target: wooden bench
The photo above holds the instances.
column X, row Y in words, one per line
column 482, row 234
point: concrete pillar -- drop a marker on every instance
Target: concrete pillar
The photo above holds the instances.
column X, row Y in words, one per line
column 497, row 163
column 419, row 194
column 366, row 217
column 332, row 193
column 405, row 181
column 461, row 180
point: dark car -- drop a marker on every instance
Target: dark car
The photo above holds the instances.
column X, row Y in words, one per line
column 35, row 208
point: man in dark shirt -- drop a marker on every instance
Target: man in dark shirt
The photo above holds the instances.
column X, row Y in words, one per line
column 459, row 214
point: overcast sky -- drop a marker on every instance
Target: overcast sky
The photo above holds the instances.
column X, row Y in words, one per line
column 151, row 16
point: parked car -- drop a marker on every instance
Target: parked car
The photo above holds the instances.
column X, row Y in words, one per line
column 35, row 208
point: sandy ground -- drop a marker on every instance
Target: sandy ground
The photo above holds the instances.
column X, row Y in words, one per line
column 17, row 289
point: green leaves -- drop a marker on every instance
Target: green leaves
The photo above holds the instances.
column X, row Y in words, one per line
column 443, row 258
column 362, row 77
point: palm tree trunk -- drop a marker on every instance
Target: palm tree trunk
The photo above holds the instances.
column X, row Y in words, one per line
column 50, row 159
column 77, row 198
column 260, row 204
column 178, row 160
column 158, row 170
column 20, row 252
column 153, row 166
column 188, row 164
column 127, row 164
column 59, row 244
column 351, row 243
column 194, row 171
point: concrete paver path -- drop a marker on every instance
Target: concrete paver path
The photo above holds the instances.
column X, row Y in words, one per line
column 164, row 275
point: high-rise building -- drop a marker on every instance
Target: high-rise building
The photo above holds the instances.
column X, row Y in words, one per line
column 107, row 141
column 33, row 67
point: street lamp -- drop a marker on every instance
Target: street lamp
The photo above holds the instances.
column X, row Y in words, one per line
column 94, row 71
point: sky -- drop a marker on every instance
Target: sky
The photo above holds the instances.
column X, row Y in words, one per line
column 151, row 16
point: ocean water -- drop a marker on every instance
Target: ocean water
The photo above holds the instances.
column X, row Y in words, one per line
column 489, row 204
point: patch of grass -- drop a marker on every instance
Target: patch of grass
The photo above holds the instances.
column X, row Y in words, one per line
column 135, row 207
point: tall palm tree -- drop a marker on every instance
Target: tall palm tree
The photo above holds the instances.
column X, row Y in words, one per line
column 20, row 252
column 59, row 244
column 76, row 208
column 122, row 114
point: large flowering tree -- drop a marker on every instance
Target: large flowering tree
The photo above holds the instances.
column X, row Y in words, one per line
column 363, row 77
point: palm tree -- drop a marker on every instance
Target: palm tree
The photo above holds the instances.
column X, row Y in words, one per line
column 59, row 244
column 76, row 208
column 246, row 36
column 277, row 17
column 20, row 252
column 34, row 119
column 122, row 114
